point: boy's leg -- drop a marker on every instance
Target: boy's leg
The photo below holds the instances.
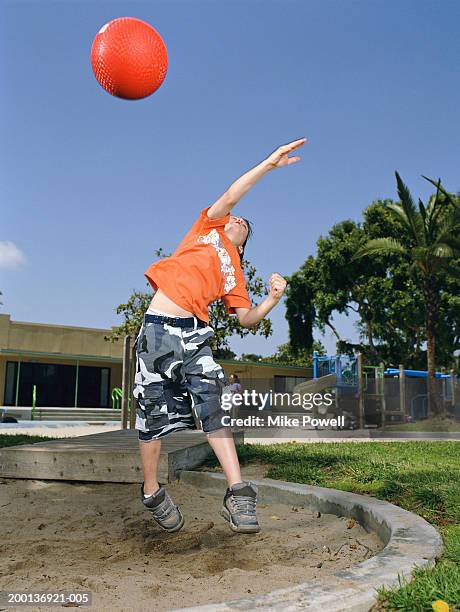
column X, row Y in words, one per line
column 223, row 445
column 150, row 457
column 205, row 381
column 156, row 351
column 240, row 500
column 153, row 494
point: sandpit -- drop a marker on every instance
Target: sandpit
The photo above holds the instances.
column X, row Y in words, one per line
column 61, row 536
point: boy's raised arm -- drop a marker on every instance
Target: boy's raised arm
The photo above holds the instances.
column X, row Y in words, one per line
column 236, row 191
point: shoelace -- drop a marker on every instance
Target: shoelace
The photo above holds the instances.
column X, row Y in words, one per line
column 245, row 504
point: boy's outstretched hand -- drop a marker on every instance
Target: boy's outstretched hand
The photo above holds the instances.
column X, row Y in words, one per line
column 277, row 286
column 280, row 157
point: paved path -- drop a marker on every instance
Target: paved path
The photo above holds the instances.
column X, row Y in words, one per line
column 60, row 429
column 57, row 429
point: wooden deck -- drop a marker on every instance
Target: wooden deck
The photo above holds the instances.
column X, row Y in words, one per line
column 104, row 457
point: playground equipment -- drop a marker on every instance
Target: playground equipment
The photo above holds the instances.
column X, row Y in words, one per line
column 117, row 397
column 34, row 402
column 418, row 408
column 338, row 372
column 415, row 373
column 353, row 382
column 371, row 392
column 315, row 385
column 343, row 367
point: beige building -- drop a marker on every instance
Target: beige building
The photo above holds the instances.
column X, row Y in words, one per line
column 74, row 367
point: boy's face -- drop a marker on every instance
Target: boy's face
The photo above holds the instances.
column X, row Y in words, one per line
column 237, row 230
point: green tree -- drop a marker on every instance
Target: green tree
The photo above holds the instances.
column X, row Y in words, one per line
column 224, row 325
column 376, row 289
column 286, row 355
column 432, row 232
column 397, row 318
column 300, row 306
column 252, row 357
column 224, row 354
column 448, row 336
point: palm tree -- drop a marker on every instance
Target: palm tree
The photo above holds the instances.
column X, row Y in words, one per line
column 433, row 238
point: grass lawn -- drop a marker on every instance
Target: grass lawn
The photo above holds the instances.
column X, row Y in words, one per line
column 423, row 477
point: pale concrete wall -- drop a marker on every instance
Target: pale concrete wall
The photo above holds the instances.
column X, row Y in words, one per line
column 65, row 339
column 4, row 329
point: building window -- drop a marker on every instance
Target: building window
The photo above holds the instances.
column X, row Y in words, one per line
column 55, row 384
column 10, row 383
column 105, row 386
column 93, row 387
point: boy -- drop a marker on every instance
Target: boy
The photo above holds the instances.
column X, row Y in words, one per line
column 175, row 369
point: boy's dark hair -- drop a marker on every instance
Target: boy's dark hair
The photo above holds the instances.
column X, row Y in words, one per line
column 250, row 232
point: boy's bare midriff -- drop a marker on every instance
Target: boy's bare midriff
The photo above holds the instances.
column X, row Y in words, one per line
column 162, row 302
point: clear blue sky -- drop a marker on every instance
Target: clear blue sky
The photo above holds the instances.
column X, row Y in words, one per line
column 91, row 185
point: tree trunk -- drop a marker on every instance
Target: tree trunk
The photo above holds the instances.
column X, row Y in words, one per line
column 370, row 338
column 431, row 300
column 433, row 408
column 334, row 330
column 366, row 317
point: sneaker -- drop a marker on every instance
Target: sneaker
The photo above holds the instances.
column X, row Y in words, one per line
column 239, row 507
column 165, row 513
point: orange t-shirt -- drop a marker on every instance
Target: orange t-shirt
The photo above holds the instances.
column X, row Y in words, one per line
column 204, row 267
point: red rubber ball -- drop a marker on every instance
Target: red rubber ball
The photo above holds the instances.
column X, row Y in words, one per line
column 129, row 58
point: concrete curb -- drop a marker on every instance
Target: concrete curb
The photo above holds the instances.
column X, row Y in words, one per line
column 409, row 542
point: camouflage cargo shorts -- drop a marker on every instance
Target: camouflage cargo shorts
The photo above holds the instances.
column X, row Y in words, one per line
column 175, row 374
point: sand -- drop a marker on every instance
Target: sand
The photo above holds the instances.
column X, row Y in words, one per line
column 61, row 536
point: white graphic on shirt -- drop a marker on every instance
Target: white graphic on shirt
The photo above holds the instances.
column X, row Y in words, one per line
column 226, row 267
